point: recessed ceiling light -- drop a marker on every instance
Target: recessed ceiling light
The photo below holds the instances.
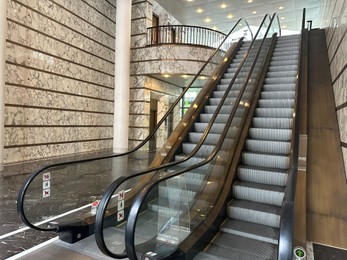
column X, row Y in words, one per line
column 224, row 5
column 283, row 26
column 281, row 7
column 166, row 75
column 202, row 77
column 250, row 1
column 185, row 76
column 214, row 28
column 230, row 16
column 254, row 12
column 199, row 10
column 208, row 19
column 190, row 0
column 282, row 18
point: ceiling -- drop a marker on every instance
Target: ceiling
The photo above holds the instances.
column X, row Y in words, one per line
column 224, row 13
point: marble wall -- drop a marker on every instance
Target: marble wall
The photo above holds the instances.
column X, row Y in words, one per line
column 147, row 61
column 59, row 77
column 334, row 20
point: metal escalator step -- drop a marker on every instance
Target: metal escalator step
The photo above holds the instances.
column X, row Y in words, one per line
column 232, row 246
column 270, row 134
column 278, row 103
column 266, row 160
column 280, row 123
column 216, row 101
column 221, row 117
column 288, row 44
column 217, row 168
column 266, row 146
column 283, row 80
column 258, row 192
column 212, row 139
column 175, row 194
column 234, row 69
column 283, row 63
column 251, row 230
column 285, row 51
column 274, row 112
column 279, row 87
column 277, row 95
column 285, row 58
column 204, row 150
column 206, row 256
column 262, row 175
column 280, row 74
column 224, row 110
column 283, row 68
column 254, row 212
column 217, row 128
column 220, row 94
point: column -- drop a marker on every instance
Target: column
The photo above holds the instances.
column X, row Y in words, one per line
column 3, row 27
column 122, row 77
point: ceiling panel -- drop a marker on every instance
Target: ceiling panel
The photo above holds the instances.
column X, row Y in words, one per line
column 185, row 12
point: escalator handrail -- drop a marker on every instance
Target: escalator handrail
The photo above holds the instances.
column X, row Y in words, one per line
column 109, row 192
column 142, row 195
column 26, row 184
column 286, row 236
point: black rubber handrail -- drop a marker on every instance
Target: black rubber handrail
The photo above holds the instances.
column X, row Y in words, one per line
column 286, row 236
column 23, row 190
column 142, row 195
column 109, row 192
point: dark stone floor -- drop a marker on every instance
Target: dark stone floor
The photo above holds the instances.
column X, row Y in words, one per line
column 72, row 186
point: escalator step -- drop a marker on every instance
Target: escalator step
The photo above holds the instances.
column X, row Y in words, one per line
column 251, row 230
column 254, row 212
column 204, row 150
column 216, row 101
column 277, row 95
column 274, row 112
column 283, row 80
column 221, row 118
column 265, row 146
column 266, row 160
column 279, row 74
column 279, row 87
column 217, row 128
column 280, row 123
column 262, row 175
column 257, row 192
column 232, row 246
column 279, row 103
column 283, row 68
column 270, row 134
column 224, row 110
column 283, row 63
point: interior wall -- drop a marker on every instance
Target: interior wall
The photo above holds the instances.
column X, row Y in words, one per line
column 59, row 77
column 334, row 20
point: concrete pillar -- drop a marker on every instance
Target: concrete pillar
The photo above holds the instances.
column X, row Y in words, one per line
column 122, row 76
column 3, row 29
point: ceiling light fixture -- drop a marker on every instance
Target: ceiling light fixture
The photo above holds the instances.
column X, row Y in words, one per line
column 281, row 7
column 215, row 28
column 230, row 16
column 282, row 18
column 199, row 10
column 208, row 19
column 254, row 12
column 250, row 1
column 166, row 75
column 224, row 5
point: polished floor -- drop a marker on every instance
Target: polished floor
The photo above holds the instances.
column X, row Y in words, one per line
column 72, row 187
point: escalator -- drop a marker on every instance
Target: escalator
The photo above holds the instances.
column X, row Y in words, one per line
column 167, row 213
column 252, row 228
column 234, row 199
